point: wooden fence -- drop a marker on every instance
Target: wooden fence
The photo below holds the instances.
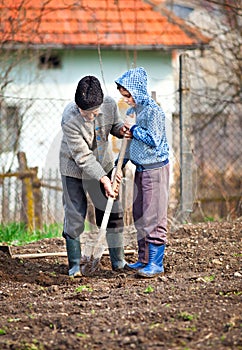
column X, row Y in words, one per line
column 35, row 202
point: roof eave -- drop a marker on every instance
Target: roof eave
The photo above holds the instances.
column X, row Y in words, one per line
column 160, row 47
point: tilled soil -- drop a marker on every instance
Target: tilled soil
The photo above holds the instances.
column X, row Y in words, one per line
column 195, row 305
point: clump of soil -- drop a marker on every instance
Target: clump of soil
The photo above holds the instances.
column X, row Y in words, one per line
column 195, row 305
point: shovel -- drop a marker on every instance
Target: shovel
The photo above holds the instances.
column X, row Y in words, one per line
column 94, row 251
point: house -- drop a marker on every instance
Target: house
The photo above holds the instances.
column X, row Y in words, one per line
column 47, row 46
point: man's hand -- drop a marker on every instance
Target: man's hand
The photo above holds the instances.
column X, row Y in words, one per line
column 107, row 186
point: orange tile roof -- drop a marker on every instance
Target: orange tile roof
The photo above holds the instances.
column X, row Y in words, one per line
column 88, row 23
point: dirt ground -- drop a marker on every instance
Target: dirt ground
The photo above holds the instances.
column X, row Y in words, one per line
column 195, row 305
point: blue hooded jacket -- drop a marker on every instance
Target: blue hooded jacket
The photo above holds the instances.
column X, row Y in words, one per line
column 149, row 147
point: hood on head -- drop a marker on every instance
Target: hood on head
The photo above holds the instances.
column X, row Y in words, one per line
column 135, row 81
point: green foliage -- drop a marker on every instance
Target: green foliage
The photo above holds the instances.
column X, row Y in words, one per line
column 209, row 278
column 149, row 289
column 81, row 335
column 209, row 219
column 186, row 316
column 16, row 233
column 229, row 293
column 14, row 319
column 83, row 289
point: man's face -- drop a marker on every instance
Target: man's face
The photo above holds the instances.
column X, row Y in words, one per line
column 89, row 115
column 127, row 97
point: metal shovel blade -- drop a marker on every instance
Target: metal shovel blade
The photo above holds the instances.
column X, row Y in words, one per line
column 96, row 250
column 90, row 266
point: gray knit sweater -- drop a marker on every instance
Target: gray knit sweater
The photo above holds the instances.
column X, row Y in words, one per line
column 85, row 149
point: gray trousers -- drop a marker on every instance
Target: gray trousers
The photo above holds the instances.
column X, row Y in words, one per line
column 75, row 206
column 151, row 192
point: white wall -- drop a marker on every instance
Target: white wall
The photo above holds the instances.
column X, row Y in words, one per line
column 61, row 83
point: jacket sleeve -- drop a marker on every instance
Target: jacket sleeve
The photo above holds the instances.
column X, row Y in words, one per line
column 151, row 133
column 83, row 156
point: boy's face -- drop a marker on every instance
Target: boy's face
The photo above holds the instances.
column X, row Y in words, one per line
column 127, row 97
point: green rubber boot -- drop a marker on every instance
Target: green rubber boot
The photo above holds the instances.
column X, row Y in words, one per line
column 73, row 249
column 116, row 249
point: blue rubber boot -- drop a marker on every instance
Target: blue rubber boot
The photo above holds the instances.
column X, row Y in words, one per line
column 142, row 256
column 73, row 249
column 116, row 249
column 137, row 265
column 155, row 264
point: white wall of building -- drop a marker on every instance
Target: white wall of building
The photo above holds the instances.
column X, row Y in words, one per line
column 41, row 134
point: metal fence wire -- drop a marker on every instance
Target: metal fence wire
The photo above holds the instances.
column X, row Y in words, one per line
column 216, row 167
column 32, row 127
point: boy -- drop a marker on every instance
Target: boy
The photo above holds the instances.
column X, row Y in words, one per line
column 149, row 151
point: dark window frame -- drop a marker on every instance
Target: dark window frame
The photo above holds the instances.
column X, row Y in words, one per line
column 50, row 61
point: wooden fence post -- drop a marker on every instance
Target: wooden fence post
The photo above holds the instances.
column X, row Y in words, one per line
column 36, row 188
column 31, row 209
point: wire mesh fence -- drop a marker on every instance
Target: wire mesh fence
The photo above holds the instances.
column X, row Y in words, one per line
column 32, row 127
column 216, row 167
column 218, row 160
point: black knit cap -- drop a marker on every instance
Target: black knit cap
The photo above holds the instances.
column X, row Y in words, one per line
column 89, row 94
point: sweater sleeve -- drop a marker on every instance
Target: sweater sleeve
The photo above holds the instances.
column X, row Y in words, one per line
column 80, row 151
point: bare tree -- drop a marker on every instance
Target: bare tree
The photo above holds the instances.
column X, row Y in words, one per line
column 21, row 51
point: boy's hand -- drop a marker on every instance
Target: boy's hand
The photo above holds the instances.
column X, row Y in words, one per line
column 125, row 132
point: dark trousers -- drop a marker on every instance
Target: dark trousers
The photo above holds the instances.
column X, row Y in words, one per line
column 75, row 206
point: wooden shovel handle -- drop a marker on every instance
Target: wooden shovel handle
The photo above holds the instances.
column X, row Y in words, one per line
column 120, row 160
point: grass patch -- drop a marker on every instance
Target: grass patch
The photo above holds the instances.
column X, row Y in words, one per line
column 16, row 233
column 149, row 289
column 185, row 316
column 2, row 331
column 209, row 278
column 84, row 289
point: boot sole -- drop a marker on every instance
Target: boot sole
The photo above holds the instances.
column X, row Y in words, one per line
column 144, row 275
column 127, row 268
column 76, row 275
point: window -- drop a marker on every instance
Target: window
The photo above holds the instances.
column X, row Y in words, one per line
column 49, row 61
column 180, row 10
column 10, row 127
